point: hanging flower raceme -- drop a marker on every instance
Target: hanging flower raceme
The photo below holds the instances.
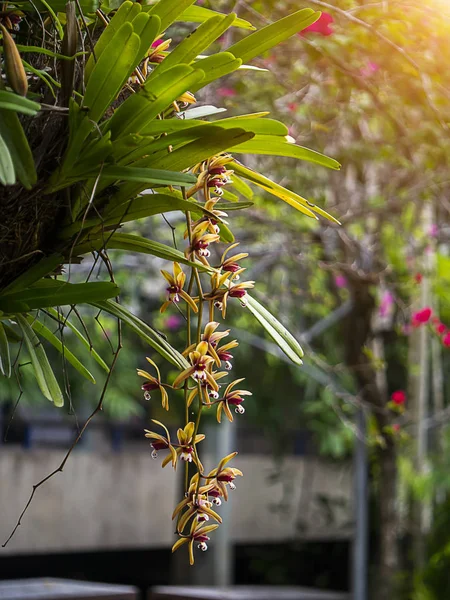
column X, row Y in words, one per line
column 200, row 360
column 175, row 290
column 231, row 398
column 183, row 450
column 195, row 504
column 154, row 383
column 198, row 535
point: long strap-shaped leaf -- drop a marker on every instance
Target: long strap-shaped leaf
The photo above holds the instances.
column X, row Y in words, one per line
column 111, row 71
column 11, row 101
column 5, row 358
column 44, row 374
column 194, row 44
column 66, row 323
column 140, row 109
column 199, row 14
column 45, row 266
column 274, row 146
column 126, row 13
column 296, row 201
column 281, row 336
column 135, row 243
column 150, row 335
column 7, row 172
column 11, row 131
column 45, row 332
column 272, row 35
column 169, row 10
column 49, row 292
column 215, row 66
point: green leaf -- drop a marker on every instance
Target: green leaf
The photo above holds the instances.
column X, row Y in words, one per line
column 14, row 138
column 139, row 109
column 45, row 332
column 274, row 146
column 7, row 172
column 141, row 175
column 138, row 208
column 280, row 335
column 186, row 156
column 111, row 71
column 49, row 292
column 257, row 43
column 150, row 335
column 296, row 201
column 44, row 374
column 126, row 13
column 66, row 323
column 235, row 206
column 11, row 101
column 169, row 11
column 215, row 66
column 87, row 6
column 199, row 14
column 242, row 188
column 5, row 359
column 134, row 243
column 194, row 44
column 42, row 268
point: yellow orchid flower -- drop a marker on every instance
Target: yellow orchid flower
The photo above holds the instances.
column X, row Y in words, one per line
column 175, row 289
column 154, row 383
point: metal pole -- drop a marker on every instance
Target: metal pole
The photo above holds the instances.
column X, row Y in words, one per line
column 360, row 539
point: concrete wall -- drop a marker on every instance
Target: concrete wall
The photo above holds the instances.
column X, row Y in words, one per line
column 106, row 500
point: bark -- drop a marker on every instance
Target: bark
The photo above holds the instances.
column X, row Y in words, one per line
column 359, row 335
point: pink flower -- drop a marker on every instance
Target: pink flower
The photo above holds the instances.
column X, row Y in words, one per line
column 157, row 43
column 433, row 230
column 173, row 322
column 446, row 340
column 418, row 277
column 440, row 328
column 292, row 106
column 421, row 316
column 387, row 301
column 369, row 69
column 340, row 281
column 398, row 397
column 395, row 427
column 321, row 26
column 226, row 92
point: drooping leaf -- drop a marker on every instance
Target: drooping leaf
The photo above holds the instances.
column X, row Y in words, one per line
column 42, row 268
column 272, row 35
column 5, row 358
column 11, row 101
column 280, row 335
column 44, row 374
column 296, row 201
column 274, row 146
column 141, row 175
column 134, row 243
column 45, row 332
column 49, row 292
column 66, row 323
column 150, row 335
